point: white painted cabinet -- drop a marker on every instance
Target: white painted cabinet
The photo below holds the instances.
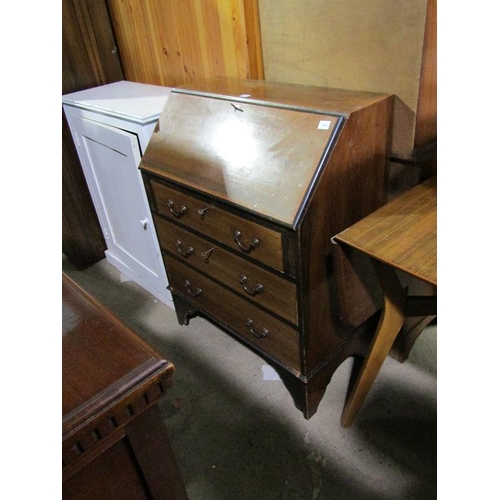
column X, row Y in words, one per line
column 111, row 127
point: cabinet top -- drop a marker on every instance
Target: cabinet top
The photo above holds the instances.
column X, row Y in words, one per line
column 138, row 102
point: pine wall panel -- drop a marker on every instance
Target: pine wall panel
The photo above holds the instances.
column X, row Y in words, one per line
column 171, row 42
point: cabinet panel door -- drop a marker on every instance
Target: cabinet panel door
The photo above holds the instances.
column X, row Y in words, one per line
column 110, row 157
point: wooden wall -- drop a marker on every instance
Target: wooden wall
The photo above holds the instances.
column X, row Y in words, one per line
column 172, row 42
column 375, row 45
column 426, row 119
column 89, row 52
column 89, row 58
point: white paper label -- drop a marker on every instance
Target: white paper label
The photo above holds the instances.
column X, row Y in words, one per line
column 324, row 124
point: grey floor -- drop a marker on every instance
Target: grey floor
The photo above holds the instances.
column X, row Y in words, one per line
column 238, row 436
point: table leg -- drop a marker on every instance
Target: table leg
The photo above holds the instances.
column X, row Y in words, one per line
column 391, row 321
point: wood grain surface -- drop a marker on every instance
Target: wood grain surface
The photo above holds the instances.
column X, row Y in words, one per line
column 167, row 42
column 402, row 233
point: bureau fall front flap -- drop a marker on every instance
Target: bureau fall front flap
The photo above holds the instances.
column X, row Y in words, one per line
column 258, row 156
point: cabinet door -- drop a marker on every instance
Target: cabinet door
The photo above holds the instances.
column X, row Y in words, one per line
column 110, row 157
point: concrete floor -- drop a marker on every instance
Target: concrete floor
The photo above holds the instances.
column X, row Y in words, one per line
column 237, row 436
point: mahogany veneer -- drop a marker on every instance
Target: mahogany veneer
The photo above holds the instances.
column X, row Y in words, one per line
column 114, row 441
column 247, row 181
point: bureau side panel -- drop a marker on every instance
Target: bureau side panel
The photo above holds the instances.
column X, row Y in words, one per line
column 351, row 186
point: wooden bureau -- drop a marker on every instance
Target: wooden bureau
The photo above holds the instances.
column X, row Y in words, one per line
column 247, row 181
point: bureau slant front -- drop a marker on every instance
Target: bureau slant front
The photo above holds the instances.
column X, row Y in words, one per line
column 247, row 181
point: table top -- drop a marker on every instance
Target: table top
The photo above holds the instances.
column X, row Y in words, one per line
column 102, row 359
column 402, row 233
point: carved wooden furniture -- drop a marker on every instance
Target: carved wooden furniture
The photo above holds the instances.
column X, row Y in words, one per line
column 114, row 441
column 400, row 236
column 111, row 126
column 247, row 180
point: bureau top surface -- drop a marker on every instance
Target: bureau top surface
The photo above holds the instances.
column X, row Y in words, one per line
column 321, row 99
column 101, row 358
column 134, row 101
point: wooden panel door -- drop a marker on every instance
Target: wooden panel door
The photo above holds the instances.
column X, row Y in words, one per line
column 89, row 58
column 110, row 157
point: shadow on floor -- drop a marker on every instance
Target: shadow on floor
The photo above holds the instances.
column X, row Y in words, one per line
column 237, row 436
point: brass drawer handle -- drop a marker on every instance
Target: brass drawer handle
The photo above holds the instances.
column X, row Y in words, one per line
column 259, row 288
column 176, row 213
column 264, row 333
column 184, row 253
column 254, row 244
column 193, row 293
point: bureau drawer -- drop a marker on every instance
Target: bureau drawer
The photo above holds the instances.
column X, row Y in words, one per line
column 261, row 243
column 260, row 329
column 263, row 287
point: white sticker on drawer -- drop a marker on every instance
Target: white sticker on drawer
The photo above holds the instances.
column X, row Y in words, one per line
column 324, row 124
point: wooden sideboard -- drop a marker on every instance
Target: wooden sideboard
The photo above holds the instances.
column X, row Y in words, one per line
column 114, row 442
column 247, row 181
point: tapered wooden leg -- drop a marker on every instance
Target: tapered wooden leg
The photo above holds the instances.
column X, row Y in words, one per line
column 408, row 335
column 391, row 321
column 183, row 309
column 307, row 394
column 308, row 391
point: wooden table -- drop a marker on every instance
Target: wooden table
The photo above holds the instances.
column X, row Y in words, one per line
column 114, row 441
column 399, row 237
